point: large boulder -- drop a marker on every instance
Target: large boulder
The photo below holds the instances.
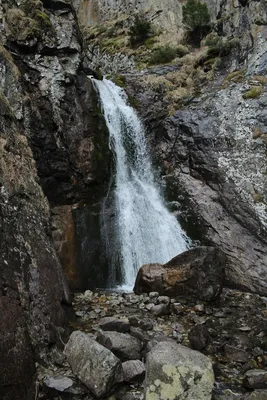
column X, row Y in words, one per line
column 197, row 273
column 96, row 366
column 177, row 372
column 123, row 345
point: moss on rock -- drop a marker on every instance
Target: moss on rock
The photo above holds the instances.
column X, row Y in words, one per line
column 29, row 22
column 253, row 93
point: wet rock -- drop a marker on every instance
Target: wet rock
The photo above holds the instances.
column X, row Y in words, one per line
column 256, row 379
column 164, row 300
column 197, row 273
column 132, row 298
column 174, row 371
column 133, row 370
column 199, row 337
column 160, row 309
column 123, row 345
column 96, row 366
column 153, row 295
column 114, row 324
column 235, row 354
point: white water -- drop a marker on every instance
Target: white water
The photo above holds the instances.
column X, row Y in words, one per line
column 145, row 229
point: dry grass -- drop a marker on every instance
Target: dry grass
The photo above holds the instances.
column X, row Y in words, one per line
column 178, row 86
column 5, row 56
column 258, row 79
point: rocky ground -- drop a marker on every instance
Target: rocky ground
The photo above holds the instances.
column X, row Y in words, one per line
column 231, row 333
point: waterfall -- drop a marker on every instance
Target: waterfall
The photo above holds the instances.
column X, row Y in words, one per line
column 143, row 229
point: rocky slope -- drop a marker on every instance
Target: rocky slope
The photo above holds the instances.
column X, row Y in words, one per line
column 137, row 334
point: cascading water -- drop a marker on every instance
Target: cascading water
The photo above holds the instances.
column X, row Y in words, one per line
column 144, row 230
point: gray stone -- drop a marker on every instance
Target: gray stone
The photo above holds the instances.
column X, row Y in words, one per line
column 96, row 366
column 139, row 334
column 123, row 345
column 199, row 337
column 153, row 295
column 160, row 310
column 133, row 370
column 256, row 379
column 177, row 372
column 144, row 323
column 164, row 300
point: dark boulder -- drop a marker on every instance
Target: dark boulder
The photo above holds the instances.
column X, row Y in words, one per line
column 199, row 337
column 123, row 345
column 197, row 273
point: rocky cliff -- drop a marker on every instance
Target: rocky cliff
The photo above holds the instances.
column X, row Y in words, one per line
column 206, row 123
column 212, row 152
column 52, row 142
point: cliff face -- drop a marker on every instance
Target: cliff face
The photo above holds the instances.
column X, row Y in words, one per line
column 32, row 286
column 105, row 25
column 210, row 144
column 93, row 12
column 48, row 117
column 213, row 160
column 214, row 148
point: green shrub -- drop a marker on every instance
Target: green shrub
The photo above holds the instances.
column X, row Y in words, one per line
column 235, row 76
column 223, row 46
column 119, row 80
column 149, row 43
column 253, row 93
column 163, row 55
column 140, row 31
column 196, row 15
column 181, row 51
column 111, row 32
column 212, row 39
